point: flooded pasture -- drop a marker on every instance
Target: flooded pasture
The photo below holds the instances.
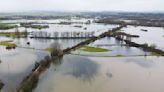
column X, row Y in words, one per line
column 120, row 68
column 153, row 35
column 116, row 48
column 103, row 74
column 17, row 63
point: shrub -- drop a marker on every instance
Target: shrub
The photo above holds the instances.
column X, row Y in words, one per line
column 153, row 46
column 145, row 45
column 1, row 85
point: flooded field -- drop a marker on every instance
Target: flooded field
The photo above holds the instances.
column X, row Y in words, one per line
column 17, row 63
column 115, row 48
column 152, row 35
column 103, row 74
column 105, row 65
column 119, row 68
column 42, row 43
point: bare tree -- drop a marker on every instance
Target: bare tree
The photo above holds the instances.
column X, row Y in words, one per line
column 17, row 32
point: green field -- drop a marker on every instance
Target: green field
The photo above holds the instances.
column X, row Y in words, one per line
column 93, row 49
column 30, row 25
column 8, row 43
column 13, row 34
column 7, row 26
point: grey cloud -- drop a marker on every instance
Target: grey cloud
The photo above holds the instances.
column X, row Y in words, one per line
column 78, row 5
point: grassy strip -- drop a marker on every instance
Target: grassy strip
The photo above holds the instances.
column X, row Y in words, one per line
column 48, row 49
column 13, row 34
column 39, row 26
column 7, row 26
column 93, row 49
column 8, row 43
column 30, row 25
column 119, row 55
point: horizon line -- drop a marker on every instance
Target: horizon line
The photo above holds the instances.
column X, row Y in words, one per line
column 80, row 11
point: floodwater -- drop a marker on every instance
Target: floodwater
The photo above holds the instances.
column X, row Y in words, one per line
column 154, row 35
column 97, row 28
column 115, row 47
column 46, row 43
column 42, row 43
column 81, row 20
column 104, row 74
column 16, row 65
column 74, row 73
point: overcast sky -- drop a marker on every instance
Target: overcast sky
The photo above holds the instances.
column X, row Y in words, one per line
column 81, row 5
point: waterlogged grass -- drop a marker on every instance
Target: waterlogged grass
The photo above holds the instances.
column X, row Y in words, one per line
column 13, row 34
column 119, row 55
column 93, row 49
column 155, row 54
column 8, row 43
column 48, row 49
column 30, row 25
column 39, row 26
column 120, row 30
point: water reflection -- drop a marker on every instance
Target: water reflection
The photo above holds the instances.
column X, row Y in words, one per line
column 146, row 37
column 73, row 70
column 79, row 67
column 17, row 64
column 143, row 62
column 127, row 74
column 45, row 43
column 115, row 48
column 108, row 74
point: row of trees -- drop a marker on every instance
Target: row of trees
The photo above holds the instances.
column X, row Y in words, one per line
column 19, row 34
column 63, row 34
column 135, row 22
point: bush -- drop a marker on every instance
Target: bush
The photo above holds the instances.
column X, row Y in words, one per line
column 153, row 46
column 1, row 85
column 30, row 84
column 145, row 45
